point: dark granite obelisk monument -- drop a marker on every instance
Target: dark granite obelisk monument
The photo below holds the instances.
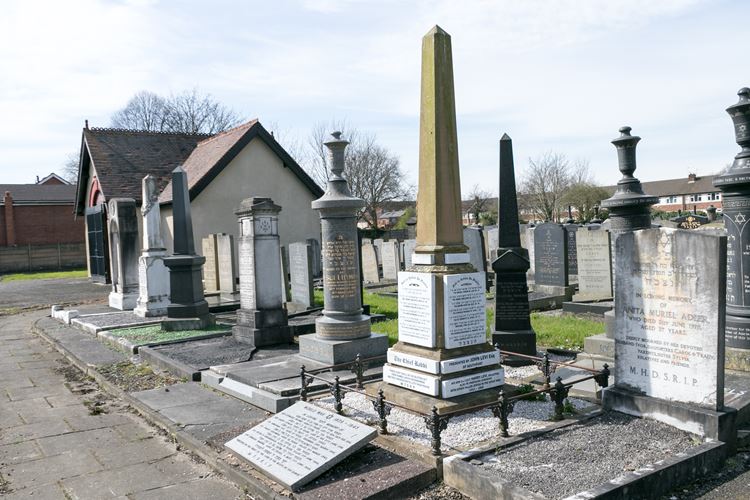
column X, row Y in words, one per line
column 261, row 319
column 343, row 331
column 186, row 286
column 513, row 330
column 735, row 193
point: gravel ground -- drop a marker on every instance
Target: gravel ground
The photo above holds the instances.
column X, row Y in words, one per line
column 463, row 431
column 131, row 377
column 115, row 319
column 439, row 491
column 574, row 459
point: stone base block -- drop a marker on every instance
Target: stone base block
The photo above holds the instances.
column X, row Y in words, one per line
column 261, row 337
column 123, row 301
column 598, row 308
column 187, row 311
column 737, row 359
column 600, row 345
column 565, row 291
column 522, row 342
column 262, row 318
column 718, row 425
column 422, row 403
column 346, row 328
column 177, row 324
column 334, row 352
column 610, row 324
column 151, row 309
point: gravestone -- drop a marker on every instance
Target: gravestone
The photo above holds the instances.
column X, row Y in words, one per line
column 550, row 255
column 669, row 340
column 594, row 254
column 261, row 318
column 153, row 277
column 300, row 267
column 389, row 257
column 300, row 443
column 409, row 246
column 317, row 268
column 377, row 243
column 343, row 332
column 225, row 263
column 442, row 352
column 188, row 308
column 123, row 258
column 512, row 330
column 370, row 272
column 735, row 191
column 492, row 241
column 474, row 241
column 286, row 294
column 532, row 255
column 571, row 230
column 211, row 267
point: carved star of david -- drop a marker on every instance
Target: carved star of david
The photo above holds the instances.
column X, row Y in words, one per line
column 740, row 219
column 666, row 241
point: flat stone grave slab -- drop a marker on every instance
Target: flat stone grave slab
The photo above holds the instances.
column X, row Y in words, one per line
column 647, row 459
column 300, row 443
column 219, row 304
column 597, row 308
column 94, row 323
column 188, row 359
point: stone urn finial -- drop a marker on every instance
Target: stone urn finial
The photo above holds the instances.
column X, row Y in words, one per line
column 336, row 148
column 625, row 145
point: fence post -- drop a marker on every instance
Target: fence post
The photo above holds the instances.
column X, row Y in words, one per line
column 28, row 254
column 59, row 257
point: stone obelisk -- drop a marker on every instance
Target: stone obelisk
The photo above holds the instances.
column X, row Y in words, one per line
column 153, row 277
column 442, row 357
column 343, row 331
column 188, row 308
column 513, row 330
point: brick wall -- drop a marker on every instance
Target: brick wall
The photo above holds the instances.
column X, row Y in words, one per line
column 44, row 224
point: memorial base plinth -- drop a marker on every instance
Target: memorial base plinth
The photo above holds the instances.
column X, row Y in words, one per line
column 186, row 287
column 556, row 291
column 422, row 403
column 123, row 301
column 737, row 359
column 610, row 324
column 263, row 337
column 347, row 328
column 718, row 425
column 151, row 309
column 335, row 352
column 521, row 342
column 179, row 324
column 600, row 345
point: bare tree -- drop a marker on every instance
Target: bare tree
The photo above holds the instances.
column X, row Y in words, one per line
column 317, row 153
column 69, row 170
column 188, row 112
column 544, row 185
column 481, row 202
column 290, row 142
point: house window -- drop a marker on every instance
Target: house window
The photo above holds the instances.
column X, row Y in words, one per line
column 696, row 197
column 671, row 199
column 713, row 196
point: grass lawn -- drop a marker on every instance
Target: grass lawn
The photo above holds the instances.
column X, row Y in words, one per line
column 566, row 331
column 152, row 334
column 75, row 273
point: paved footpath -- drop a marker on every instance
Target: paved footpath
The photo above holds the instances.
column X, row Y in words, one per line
column 62, row 438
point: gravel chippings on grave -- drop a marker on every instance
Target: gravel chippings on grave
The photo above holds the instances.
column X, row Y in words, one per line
column 573, row 459
column 521, row 372
column 462, row 431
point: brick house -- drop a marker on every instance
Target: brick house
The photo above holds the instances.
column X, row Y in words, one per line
column 682, row 194
column 39, row 214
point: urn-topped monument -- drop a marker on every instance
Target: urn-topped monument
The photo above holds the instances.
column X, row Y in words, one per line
column 442, row 358
column 343, row 331
column 735, row 191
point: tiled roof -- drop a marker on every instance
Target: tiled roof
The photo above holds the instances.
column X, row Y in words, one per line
column 122, row 158
column 39, row 193
column 679, row 186
column 211, row 155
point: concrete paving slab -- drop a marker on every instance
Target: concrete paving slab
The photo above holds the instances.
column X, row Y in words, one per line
column 196, row 490
column 80, row 441
column 46, row 492
column 44, row 428
column 133, row 453
column 49, row 470
column 118, row 482
column 174, row 395
column 20, row 452
column 201, row 354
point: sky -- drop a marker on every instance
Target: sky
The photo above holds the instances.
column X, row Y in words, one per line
column 559, row 76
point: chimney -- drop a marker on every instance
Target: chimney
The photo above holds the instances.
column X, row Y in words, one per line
column 86, row 126
column 37, row 179
column 691, row 178
column 10, row 225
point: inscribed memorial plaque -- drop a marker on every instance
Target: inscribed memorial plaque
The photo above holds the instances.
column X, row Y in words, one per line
column 736, row 217
column 550, row 255
column 571, row 231
column 670, row 310
column 416, row 308
column 390, row 259
column 301, row 273
column 370, row 272
column 594, row 264
column 472, row 383
column 465, row 313
column 300, row 443
column 410, row 379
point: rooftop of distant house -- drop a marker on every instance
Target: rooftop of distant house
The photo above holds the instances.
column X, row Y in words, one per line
column 50, row 190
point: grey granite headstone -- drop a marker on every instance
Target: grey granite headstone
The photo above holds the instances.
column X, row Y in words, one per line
column 370, row 272
column 225, row 263
column 550, row 255
column 317, row 257
column 571, row 230
column 377, row 244
column 211, row 267
column 474, row 240
column 300, row 443
column 594, row 265
column 261, row 319
column 300, row 267
column 492, row 241
column 123, row 245
column 409, row 246
column 670, row 308
column 390, row 259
